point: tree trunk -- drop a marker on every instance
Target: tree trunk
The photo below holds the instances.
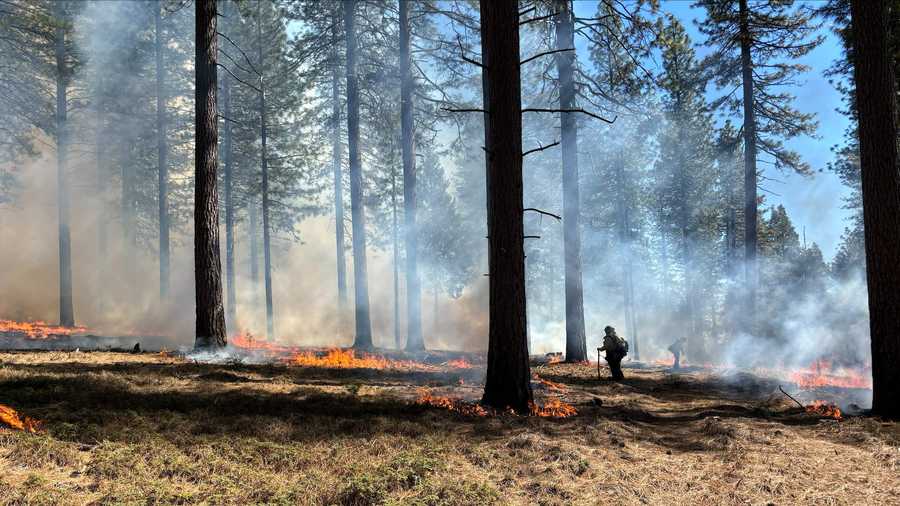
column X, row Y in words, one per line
column 396, row 253
column 750, row 197
column 338, row 177
column 508, row 379
column 253, row 232
column 66, row 309
column 102, row 239
column 360, row 283
column 231, row 289
column 414, row 339
column 625, row 245
column 576, row 343
column 267, row 251
column 162, row 165
column 876, row 104
column 210, row 327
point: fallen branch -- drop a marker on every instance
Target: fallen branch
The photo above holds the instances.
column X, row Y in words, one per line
column 791, row 397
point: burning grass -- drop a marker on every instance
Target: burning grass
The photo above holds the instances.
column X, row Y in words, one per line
column 11, row 418
column 37, row 329
column 137, row 428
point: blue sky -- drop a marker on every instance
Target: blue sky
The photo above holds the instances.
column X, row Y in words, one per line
column 815, row 204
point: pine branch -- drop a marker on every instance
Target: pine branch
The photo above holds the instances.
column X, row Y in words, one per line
column 545, row 53
column 582, row 111
column 541, row 148
column 540, row 211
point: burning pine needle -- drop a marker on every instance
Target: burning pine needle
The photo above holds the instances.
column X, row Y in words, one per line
column 11, row 418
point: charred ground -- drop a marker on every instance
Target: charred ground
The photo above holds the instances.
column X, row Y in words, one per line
column 120, row 427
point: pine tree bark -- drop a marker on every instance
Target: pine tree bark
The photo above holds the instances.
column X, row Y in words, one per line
column 336, row 167
column 876, row 104
column 267, row 251
column 210, row 324
column 161, row 160
column 750, row 194
column 576, row 343
column 66, row 306
column 508, row 379
column 414, row 339
column 360, row 272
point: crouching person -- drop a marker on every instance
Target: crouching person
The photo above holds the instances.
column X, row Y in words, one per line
column 616, row 348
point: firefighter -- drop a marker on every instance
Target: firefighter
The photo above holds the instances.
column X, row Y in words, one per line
column 677, row 349
column 616, row 348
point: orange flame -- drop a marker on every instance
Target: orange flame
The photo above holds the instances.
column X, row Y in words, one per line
column 459, row 363
column 11, row 418
column 246, row 341
column 456, row 405
column 550, row 384
column 826, row 409
column 37, row 329
column 348, row 359
column 821, row 373
column 553, row 408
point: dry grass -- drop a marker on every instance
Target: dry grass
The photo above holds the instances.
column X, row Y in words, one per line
column 148, row 429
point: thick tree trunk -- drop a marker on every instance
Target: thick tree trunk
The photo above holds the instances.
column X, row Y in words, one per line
column 876, row 104
column 360, row 273
column 576, row 343
column 508, row 379
column 162, row 165
column 231, row 289
column 210, row 327
column 267, row 251
column 336, row 167
column 750, row 197
column 66, row 308
column 414, row 339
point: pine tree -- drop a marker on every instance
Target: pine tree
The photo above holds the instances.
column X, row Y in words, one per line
column 508, row 379
column 37, row 41
column 686, row 165
column 876, row 103
column 751, row 39
column 210, row 328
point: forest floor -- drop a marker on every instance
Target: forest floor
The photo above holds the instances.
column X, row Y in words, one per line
column 161, row 429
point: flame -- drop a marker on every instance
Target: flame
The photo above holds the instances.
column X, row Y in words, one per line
column 37, row 329
column 459, row 363
column 822, row 373
column 550, row 384
column 348, row 359
column 246, row 341
column 553, row 408
column 554, row 358
column 456, row 405
column 824, row 408
column 12, row 419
